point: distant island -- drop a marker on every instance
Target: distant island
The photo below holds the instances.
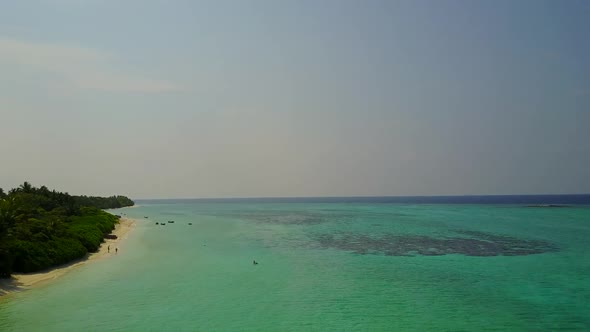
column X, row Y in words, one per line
column 42, row 228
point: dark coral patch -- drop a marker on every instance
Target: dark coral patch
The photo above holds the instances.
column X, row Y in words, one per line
column 470, row 244
column 286, row 218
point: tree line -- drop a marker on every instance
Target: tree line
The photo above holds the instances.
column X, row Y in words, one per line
column 41, row 228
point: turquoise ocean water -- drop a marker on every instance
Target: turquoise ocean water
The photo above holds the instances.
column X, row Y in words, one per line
column 341, row 266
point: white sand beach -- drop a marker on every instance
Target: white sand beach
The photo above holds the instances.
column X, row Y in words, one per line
column 24, row 281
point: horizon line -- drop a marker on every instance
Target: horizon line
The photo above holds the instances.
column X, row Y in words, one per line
column 361, row 196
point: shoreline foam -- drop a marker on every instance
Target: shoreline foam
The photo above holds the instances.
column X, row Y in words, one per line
column 20, row 281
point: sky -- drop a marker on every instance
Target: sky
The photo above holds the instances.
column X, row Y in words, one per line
column 182, row 99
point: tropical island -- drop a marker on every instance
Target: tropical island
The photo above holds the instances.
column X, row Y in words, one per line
column 42, row 228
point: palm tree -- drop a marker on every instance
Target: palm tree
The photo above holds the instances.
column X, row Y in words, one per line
column 26, row 187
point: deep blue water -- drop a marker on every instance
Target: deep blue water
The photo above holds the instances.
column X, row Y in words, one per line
column 572, row 199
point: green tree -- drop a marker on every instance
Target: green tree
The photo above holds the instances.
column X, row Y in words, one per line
column 7, row 214
column 26, row 187
column 7, row 221
column 40, row 228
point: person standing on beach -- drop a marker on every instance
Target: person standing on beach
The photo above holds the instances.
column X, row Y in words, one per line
column 116, row 250
column 108, row 248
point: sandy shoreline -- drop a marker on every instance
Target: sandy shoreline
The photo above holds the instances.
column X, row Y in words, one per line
column 25, row 281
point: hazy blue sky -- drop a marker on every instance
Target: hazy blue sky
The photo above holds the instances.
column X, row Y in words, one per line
column 299, row 98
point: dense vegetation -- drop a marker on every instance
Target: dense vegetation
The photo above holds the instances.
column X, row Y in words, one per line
column 112, row 202
column 40, row 228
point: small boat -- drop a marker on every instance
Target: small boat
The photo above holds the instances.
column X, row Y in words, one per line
column 157, row 224
column 170, row 221
column 145, row 217
column 190, row 223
